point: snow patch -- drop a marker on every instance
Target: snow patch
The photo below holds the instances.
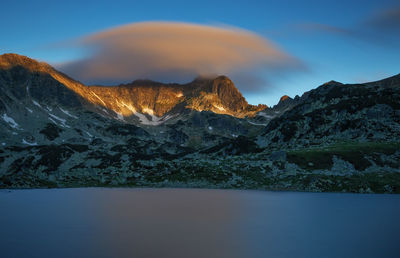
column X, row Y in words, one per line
column 151, row 113
column 154, row 119
column 58, row 118
column 210, row 128
column 128, row 106
column 30, row 110
column 29, row 143
column 256, row 123
column 143, row 119
column 62, row 121
column 90, row 135
column 3, row 143
column 52, row 120
column 120, row 116
column 148, row 111
column 220, row 108
column 167, row 117
column 67, row 113
column 265, row 115
column 94, row 94
column 36, row 104
column 10, row 121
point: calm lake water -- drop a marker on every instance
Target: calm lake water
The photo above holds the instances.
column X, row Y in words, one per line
column 101, row 222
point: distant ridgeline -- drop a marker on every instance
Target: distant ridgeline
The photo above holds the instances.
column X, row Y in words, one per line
column 57, row 132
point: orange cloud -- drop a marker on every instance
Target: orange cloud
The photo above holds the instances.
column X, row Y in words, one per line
column 170, row 51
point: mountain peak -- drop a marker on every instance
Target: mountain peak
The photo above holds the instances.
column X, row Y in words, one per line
column 223, row 78
column 11, row 57
column 10, row 60
column 225, row 88
column 333, row 83
column 284, row 97
column 285, row 102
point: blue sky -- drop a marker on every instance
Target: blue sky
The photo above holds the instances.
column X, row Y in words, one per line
column 335, row 40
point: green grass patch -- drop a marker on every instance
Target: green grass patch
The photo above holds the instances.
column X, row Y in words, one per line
column 353, row 152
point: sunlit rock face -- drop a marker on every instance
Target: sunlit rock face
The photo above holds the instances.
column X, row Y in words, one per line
column 30, row 67
column 158, row 100
column 147, row 101
column 22, row 79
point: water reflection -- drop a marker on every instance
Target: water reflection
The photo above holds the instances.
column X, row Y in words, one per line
column 289, row 224
column 98, row 222
column 168, row 223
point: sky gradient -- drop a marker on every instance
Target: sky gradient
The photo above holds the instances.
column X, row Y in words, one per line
column 347, row 41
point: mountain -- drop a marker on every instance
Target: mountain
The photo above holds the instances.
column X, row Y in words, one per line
column 145, row 101
column 153, row 103
column 335, row 111
column 35, row 96
column 57, row 132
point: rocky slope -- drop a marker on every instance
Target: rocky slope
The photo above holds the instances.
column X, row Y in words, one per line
column 339, row 112
column 57, row 132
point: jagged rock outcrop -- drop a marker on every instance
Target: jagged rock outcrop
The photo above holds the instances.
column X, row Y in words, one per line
column 285, row 103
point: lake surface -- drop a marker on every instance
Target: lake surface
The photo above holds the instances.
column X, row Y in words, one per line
column 101, row 222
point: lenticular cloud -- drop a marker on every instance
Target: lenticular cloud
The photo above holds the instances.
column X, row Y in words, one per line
column 173, row 52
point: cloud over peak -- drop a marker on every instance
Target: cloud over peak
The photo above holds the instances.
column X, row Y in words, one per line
column 171, row 51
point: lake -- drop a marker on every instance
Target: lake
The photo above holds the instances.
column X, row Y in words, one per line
column 123, row 222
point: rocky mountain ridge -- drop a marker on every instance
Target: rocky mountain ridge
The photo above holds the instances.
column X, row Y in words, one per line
column 336, row 111
column 56, row 132
column 146, row 102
